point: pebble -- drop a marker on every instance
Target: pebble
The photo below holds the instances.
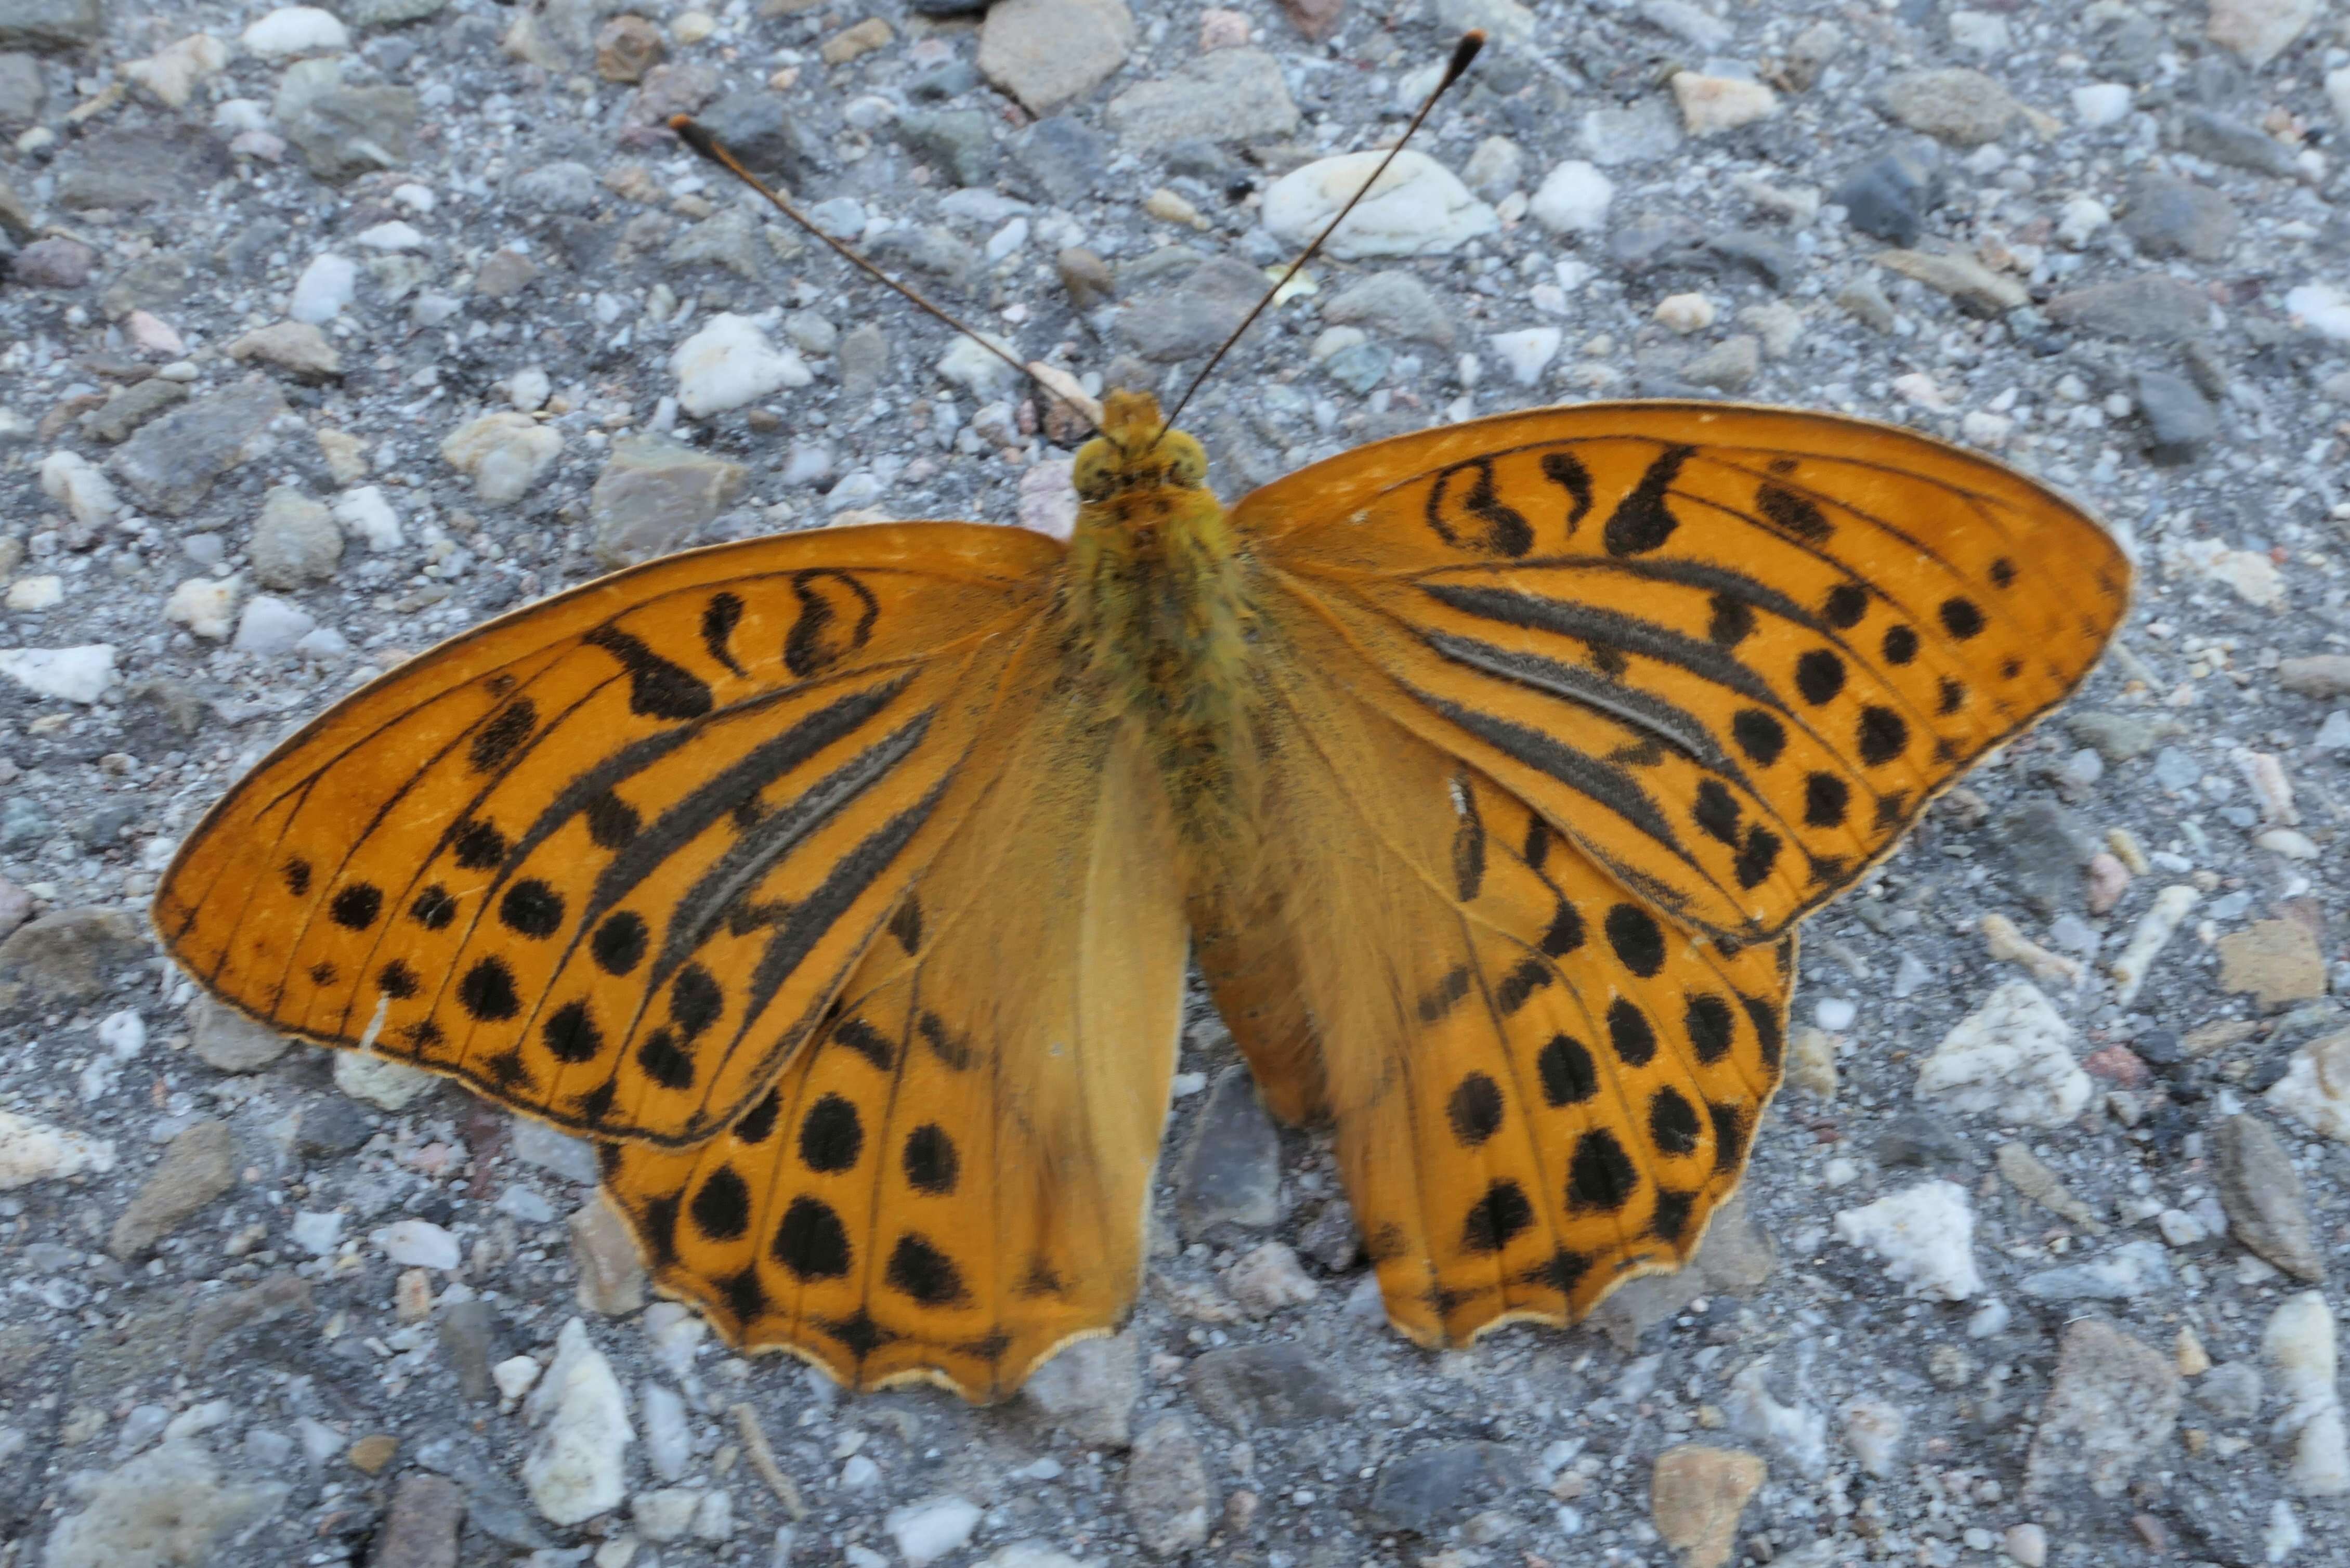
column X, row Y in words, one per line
column 53, row 262
column 1973, row 286
column 927, row 1531
column 1729, row 366
column 292, row 30
column 226, row 1040
column 730, row 362
column 1278, row 1386
column 1231, row 1175
column 1417, row 208
column 2027, row 1544
column 1435, row 1487
column 1925, row 1237
column 81, row 674
column 2231, row 1391
column 34, row 1151
column 30, row 595
column 577, row 1467
column 171, row 1505
column 2267, row 1205
column 1526, row 353
column 654, row 495
column 296, row 347
column 1710, row 104
column 604, row 1255
column 2112, row 1403
column 2131, row 1270
column 85, row 491
column 1225, row 95
column 1696, row 1494
column 1394, row 303
column 1872, row 1429
column 1573, row 199
column 2152, row 307
column 382, row 1081
column 2170, row 216
column 1955, row 105
column 2100, row 104
column 2274, row 962
column 173, row 462
column 421, row 1530
column 505, row 454
column 1890, row 197
column 270, row 626
column 417, row 1244
column 1685, row 313
column 2299, row 1344
column 1268, row 1279
column 667, row 1431
column 1088, row 1389
column 1795, row 1432
column 2258, row 30
column 198, row 1166
column 324, row 290
column 2226, row 141
column 2011, row 1057
column 2315, row 1087
column 1641, row 132
column 295, row 541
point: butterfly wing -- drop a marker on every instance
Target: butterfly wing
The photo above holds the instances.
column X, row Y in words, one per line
column 608, row 857
column 950, row 1183
column 1540, row 1087
column 1732, row 653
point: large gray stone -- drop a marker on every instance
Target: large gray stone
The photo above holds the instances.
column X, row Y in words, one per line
column 173, row 462
column 1232, row 1172
column 1247, row 1386
column 67, row 956
column 1226, row 95
column 51, row 24
column 653, row 495
column 348, row 132
column 1434, row 1488
column 199, row 1166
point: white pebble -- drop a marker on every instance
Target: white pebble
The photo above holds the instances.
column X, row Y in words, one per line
column 324, row 645
column 2284, row 1536
column 665, row 1515
column 317, row 1234
column 271, row 625
column 2011, row 1057
column 927, row 1531
column 1872, row 1429
column 1573, row 199
column 363, row 512
column 2100, row 104
column 515, row 1374
column 76, row 483
column 1685, row 313
column 1835, row 1014
column 578, row 1467
column 1713, row 104
column 2081, row 219
column 324, row 287
column 123, row 1033
column 2155, row 928
column 2027, row 1544
column 728, row 363
column 528, row 389
column 30, row 594
column 1526, row 352
column 505, row 452
column 296, row 30
column 1417, row 208
column 34, row 1151
column 417, row 1244
column 2333, row 735
column 1924, row 1235
column 2299, row 1343
column 203, row 604
column 395, row 235
column 669, row 1440
column 79, row 674
column 2323, row 308
column 1990, row 1319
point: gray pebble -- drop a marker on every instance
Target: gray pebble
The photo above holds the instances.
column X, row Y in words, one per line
column 2225, row 139
column 295, row 541
column 2180, row 426
column 2267, row 1205
column 957, row 142
column 2170, row 217
column 1232, row 1173
column 1889, row 196
column 1063, row 158
column 1439, row 1486
column 1247, row 1386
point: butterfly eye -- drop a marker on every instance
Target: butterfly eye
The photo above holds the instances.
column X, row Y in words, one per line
column 1093, row 475
column 1187, row 462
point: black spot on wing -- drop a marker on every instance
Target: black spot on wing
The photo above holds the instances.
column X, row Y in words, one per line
column 835, row 620
column 1569, row 1076
column 1467, row 513
column 720, row 1209
column 487, row 992
column 295, row 874
column 478, row 846
column 720, row 617
column 1819, row 676
column 658, row 687
column 531, row 908
column 1496, row 1218
column 1517, row 988
column 1639, row 942
column 832, row 1136
column 1630, row 1033
column 930, row 1162
column 1600, row 1175
column 865, row 1039
column 919, row 1270
column 356, row 907
column 811, row 1241
column 1474, row 1109
column 619, row 943
column 571, row 1035
column 1712, row 1026
column 1793, row 513
column 1761, row 736
column 1642, row 521
column 1566, row 469
column 1672, row 1122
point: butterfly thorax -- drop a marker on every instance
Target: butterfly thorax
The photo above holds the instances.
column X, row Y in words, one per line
column 1155, row 610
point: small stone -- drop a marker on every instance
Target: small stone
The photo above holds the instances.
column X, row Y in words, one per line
column 1394, row 303
column 1685, row 313
column 228, row 1042
column 2227, row 140
column 69, row 478
column 578, row 1467
column 1889, row 196
column 53, row 262
column 1958, row 106
column 34, row 1151
column 666, row 1515
column 83, row 674
column 1088, row 1389
column 2150, row 308
column 1573, row 199
column 1526, row 353
column 1872, row 1430
column 420, row 1532
column 292, row 30
column 2180, row 423
column 1642, row 132
column 1268, row 1279
column 654, row 495
column 504, row 273
column 2030, row 1175
column 604, row 1253
column 467, row 1330
column 957, row 143
column 2130, row 1270
column 2011, row 1057
column 2169, row 216
column 627, row 48
column 372, row 1452
column 855, row 41
column 1435, row 1487
column 198, row 1166
column 730, row 362
column 2275, row 961
column 271, row 626
column 1695, row 1495
column 68, row 956
column 382, row 1081
column 2113, row 1401
column 927, row 1531
column 1975, row 288
column 417, row 1244
column 1168, row 1497
column 2299, row 1343
column 504, row 453
column 515, row 1376
column 1049, row 53
column 1731, row 365
column 1247, row 1386
column 344, row 133
column 1232, row 1173
column 169, row 1506
column 295, row 541
column 173, row 462
column 2231, row 1391
column 324, row 290
column 133, row 407
column 1924, row 1235
column 1417, row 208
column 2261, row 1191
column 294, row 347
column 1226, row 95
column 1710, row 104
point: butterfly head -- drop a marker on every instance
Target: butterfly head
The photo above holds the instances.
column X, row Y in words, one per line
column 1135, row 451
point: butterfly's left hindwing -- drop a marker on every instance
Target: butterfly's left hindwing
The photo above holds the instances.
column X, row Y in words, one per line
column 951, row 1182
column 1733, row 653
column 606, row 858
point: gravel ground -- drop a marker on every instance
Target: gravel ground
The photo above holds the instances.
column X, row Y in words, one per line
column 325, row 334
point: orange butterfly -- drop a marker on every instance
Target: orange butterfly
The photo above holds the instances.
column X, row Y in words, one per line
column 841, row 882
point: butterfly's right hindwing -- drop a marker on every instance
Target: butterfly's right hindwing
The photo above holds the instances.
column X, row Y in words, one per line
column 606, row 858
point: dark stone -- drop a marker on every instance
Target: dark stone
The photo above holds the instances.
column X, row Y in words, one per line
column 941, row 83
column 218, row 1319
column 332, row 1125
column 1889, row 196
column 758, row 128
column 1922, row 1141
column 470, row 1344
column 2225, row 139
column 247, row 251
column 1196, row 314
column 51, row 25
column 1330, row 1237
column 1438, row 1487
column 2159, row 1048
column 70, row 955
column 1065, row 158
column 2171, row 217
column 1249, row 1386
column 120, row 170
column 2046, row 849
column 1232, row 1172
column 2180, row 425
column 422, row 1528
column 492, row 1506
column 173, row 462
column 1773, row 260
column 955, row 141
column 101, row 828
column 946, row 8
column 2152, row 307
column 933, row 251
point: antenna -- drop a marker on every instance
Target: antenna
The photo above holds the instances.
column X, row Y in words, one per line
column 1463, row 53
column 697, row 137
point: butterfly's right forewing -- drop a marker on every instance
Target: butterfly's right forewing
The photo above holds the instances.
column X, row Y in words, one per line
column 606, row 858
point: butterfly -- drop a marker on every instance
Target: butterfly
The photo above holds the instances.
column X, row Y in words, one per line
column 841, row 884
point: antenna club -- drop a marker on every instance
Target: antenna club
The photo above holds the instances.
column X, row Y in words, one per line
column 1465, row 54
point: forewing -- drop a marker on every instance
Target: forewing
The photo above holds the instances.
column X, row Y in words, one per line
column 606, row 858
column 1541, row 1086
column 952, row 1182
column 1732, row 653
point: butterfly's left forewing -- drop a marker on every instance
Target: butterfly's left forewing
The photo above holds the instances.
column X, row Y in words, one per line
column 606, row 858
